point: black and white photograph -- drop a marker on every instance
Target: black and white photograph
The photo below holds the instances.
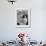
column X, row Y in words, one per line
column 23, row 17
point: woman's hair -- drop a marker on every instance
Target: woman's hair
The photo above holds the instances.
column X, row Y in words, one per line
column 25, row 15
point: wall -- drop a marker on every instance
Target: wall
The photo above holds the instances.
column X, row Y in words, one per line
column 8, row 28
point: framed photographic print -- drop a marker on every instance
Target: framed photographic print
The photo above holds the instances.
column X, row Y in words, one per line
column 23, row 17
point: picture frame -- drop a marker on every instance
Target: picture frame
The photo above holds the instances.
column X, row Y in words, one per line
column 23, row 17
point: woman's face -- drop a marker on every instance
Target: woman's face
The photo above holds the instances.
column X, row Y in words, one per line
column 22, row 19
